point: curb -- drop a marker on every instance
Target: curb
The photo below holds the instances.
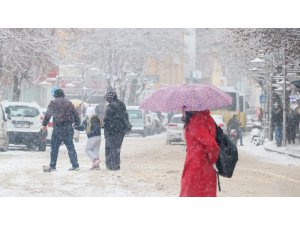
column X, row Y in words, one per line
column 283, row 153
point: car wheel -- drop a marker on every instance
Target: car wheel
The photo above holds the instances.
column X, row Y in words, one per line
column 42, row 146
column 168, row 142
column 144, row 133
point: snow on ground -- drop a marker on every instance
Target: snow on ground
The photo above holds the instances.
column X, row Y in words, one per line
column 265, row 156
column 149, row 167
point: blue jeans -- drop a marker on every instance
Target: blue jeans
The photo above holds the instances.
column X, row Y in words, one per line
column 278, row 134
column 240, row 134
column 59, row 135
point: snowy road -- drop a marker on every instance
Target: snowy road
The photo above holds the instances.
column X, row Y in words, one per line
column 149, row 167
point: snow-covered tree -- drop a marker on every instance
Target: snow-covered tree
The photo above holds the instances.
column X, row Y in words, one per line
column 25, row 55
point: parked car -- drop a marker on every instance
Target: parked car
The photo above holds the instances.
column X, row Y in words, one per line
column 24, row 124
column 153, row 123
column 251, row 117
column 137, row 120
column 49, row 127
column 175, row 132
column 219, row 121
column 3, row 131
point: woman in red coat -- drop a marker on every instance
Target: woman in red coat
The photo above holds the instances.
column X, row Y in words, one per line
column 199, row 176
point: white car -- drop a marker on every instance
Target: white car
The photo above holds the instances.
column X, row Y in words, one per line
column 175, row 132
column 3, row 131
column 49, row 127
column 219, row 121
column 24, row 124
column 137, row 120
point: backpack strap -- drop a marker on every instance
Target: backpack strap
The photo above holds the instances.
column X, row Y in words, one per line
column 219, row 184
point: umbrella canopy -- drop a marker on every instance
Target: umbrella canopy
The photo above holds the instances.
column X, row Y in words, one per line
column 194, row 97
column 77, row 102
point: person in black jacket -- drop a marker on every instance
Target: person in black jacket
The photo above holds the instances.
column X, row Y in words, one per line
column 64, row 115
column 116, row 124
column 92, row 125
column 277, row 120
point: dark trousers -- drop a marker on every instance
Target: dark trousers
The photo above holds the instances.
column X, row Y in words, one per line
column 113, row 145
column 59, row 135
column 291, row 133
column 278, row 134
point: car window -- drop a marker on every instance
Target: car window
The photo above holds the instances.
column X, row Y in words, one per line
column 251, row 112
column 25, row 111
column 176, row 120
column 135, row 114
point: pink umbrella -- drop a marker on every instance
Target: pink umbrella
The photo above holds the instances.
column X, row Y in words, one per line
column 194, row 97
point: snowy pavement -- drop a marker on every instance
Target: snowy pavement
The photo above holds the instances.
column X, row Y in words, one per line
column 292, row 150
column 149, row 167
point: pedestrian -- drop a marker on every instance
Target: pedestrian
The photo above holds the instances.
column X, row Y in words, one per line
column 277, row 120
column 235, row 124
column 199, row 178
column 292, row 124
column 90, row 110
column 92, row 126
column 116, row 124
column 260, row 115
column 64, row 115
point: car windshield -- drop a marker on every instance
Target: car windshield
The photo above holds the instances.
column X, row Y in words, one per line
column 217, row 118
column 251, row 112
column 25, row 111
column 134, row 114
column 176, row 119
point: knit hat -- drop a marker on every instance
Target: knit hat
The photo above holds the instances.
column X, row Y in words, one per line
column 110, row 96
column 59, row 93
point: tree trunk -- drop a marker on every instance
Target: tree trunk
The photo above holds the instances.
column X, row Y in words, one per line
column 16, row 89
column 132, row 93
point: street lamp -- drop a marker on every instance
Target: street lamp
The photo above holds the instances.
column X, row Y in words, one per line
column 258, row 60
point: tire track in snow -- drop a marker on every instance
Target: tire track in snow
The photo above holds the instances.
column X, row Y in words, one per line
column 271, row 174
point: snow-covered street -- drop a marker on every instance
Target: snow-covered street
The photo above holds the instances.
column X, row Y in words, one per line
column 149, row 167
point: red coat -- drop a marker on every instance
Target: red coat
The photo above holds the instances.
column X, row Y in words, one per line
column 199, row 177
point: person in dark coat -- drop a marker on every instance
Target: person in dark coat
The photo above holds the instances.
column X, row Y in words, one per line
column 64, row 116
column 116, row 124
column 199, row 177
column 277, row 120
column 292, row 124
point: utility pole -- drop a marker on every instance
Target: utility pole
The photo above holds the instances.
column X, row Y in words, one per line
column 270, row 104
column 284, row 101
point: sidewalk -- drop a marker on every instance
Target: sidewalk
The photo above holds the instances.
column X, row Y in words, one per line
column 292, row 150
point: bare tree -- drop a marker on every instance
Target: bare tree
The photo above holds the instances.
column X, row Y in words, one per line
column 25, row 55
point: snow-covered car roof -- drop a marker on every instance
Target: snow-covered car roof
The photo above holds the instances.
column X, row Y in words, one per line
column 30, row 104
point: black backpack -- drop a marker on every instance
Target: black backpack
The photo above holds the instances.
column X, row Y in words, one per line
column 228, row 156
